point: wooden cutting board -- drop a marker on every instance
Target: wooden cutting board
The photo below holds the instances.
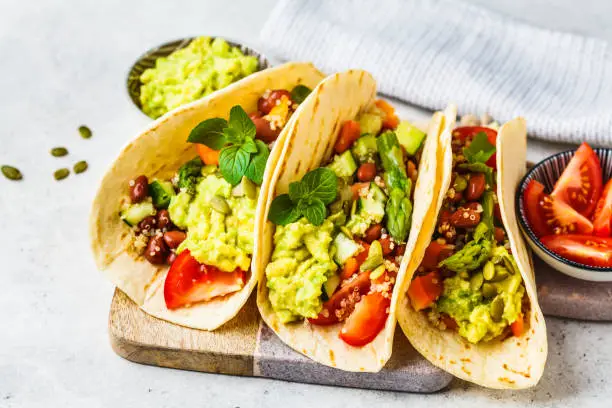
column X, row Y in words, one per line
column 246, row 346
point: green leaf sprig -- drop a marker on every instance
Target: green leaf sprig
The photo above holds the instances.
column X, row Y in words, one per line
column 307, row 198
column 480, row 150
column 241, row 154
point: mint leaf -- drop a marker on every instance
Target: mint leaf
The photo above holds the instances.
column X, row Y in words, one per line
column 233, row 136
column 480, row 150
column 283, row 211
column 321, row 184
column 299, row 93
column 233, row 163
column 257, row 167
column 297, row 190
column 314, row 211
column 209, row 133
column 241, row 123
column 249, row 145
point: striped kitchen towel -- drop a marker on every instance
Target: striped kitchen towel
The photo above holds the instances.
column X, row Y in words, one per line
column 431, row 52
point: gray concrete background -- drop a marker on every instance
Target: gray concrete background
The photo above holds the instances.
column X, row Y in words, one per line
column 64, row 64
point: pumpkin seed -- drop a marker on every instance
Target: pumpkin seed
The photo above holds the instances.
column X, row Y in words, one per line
column 488, row 271
column 85, row 132
column 220, row 205
column 346, row 232
column 501, row 273
column 460, row 183
column 476, row 281
column 80, row 167
column 249, row 188
column 11, row 173
column 489, row 290
column 59, row 151
column 61, row 174
column 497, row 309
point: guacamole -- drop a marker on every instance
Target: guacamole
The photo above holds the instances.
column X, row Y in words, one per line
column 300, row 265
column 190, row 73
column 215, row 238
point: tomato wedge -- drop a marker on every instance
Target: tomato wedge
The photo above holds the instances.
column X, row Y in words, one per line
column 580, row 183
column 547, row 215
column 208, row 155
column 584, row 249
column 360, row 284
column 424, row 290
column 189, row 281
column 518, row 326
column 348, row 134
column 367, row 320
column 465, row 132
column 602, row 218
column 434, row 254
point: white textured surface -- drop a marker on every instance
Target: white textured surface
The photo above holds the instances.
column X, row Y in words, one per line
column 65, row 64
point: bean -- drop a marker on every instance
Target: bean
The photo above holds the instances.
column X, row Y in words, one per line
column 267, row 102
column 400, row 249
column 497, row 309
column 373, row 233
column 489, row 290
column 139, row 188
column 220, row 205
column 174, row 238
column 465, row 218
column 147, row 224
column 488, row 271
column 163, row 219
column 366, row 172
column 460, row 183
column 476, row 281
column 387, row 245
column 476, row 186
column 499, row 234
column 156, row 251
column 264, row 131
column 171, row 258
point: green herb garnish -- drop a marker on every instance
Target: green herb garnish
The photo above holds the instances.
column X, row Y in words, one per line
column 299, row 93
column 80, row 167
column 480, row 150
column 11, row 173
column 85, row 132
column 307, row 197
column 59, row 151
column 241, row 155
column 61, row 174
column 479, row 168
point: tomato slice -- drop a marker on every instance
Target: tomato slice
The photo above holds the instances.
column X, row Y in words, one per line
column 390, row 121
column 360, row 284
column 518, row 326
column 357, row 188
column 189, row 281
column 584, row 249
column 434, row 254
column 367, row 320
column 602, row 218
column 547, row 215
column 424, row 290
column 465, row 132
column 351, row 266
column 208, row 155
column 348, row 134
column 580, row 183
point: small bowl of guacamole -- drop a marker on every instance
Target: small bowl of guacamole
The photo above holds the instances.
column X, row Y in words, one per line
column 186, row 70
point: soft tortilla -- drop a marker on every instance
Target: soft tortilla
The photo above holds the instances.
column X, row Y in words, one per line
column 516, row 362
column 337, row 99
column 158, row 152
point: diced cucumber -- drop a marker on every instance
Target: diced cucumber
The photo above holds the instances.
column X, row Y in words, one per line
column 137, row 212
column 410, row 137
column 343, row 165
column 377, row 193
column 370, row 123
column 344, row 248
column 365, row 148
column 330, row 286
column 371, row 209
column 161, row 192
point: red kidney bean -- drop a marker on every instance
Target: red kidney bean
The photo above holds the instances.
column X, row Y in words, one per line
column 139, row 189
column 500, row 234
column 156, row 251
column 174, row 238
column 366, row 172
column 263, row 130
column 147, row 224
column 476, row 186
column 265, row 104
column 387, row 245
column 163, row 219
column 373, row 233
column 465, row 218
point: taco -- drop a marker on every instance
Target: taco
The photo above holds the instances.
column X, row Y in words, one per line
column 338, row 226
column 468, row 302
column 172, row 224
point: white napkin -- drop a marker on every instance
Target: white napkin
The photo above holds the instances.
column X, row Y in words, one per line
column 433, row 52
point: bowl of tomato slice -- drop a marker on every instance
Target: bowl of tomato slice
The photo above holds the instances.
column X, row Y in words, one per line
column 564, row 205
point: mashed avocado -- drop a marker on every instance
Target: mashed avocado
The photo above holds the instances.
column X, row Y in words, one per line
column 213, row 238
column 188, row 74
column 472, row 310
column 301, row 263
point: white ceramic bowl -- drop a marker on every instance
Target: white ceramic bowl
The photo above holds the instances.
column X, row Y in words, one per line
column 547, row 172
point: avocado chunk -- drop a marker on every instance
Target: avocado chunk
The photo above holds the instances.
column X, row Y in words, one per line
column 365, row 148
column 369, row 210
column 410, row 137
column 137, row 212
column 374, row 259
column 330, row 286
column 344, row 248
column 161, row 192
column 343, row 165
column 370, row 123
